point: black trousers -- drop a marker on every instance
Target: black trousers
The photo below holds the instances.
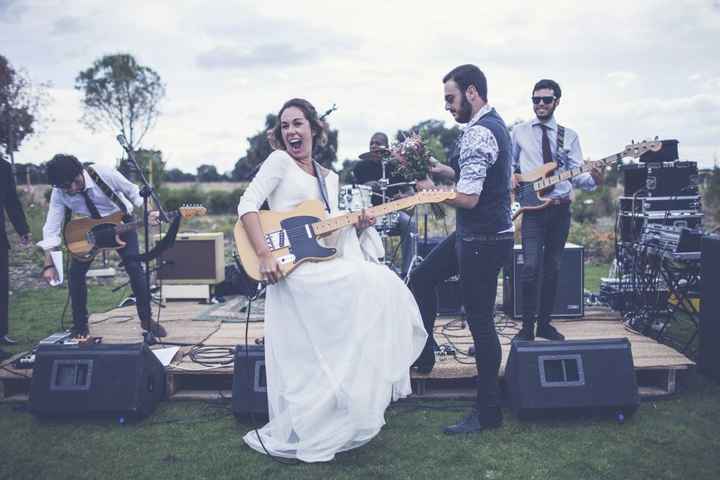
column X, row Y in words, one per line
column 544, row 233
column 78, row 283
column 479, row 264
column 4, row 288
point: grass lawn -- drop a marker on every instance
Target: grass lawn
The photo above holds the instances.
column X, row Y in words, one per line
column 674, row 438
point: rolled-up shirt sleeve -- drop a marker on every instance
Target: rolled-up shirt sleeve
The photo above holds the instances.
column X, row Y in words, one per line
column 575, row 160
column 53, row 223
column 267, row 179
column 478, row 151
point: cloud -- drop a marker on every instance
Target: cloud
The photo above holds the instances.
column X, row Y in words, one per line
column 262, row 55
column 11, row 11
column 69, row 25
column 622, row 79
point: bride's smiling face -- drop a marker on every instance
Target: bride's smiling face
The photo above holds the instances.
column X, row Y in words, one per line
column 296, row 133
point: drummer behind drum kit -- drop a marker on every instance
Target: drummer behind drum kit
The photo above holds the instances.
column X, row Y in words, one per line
column 354, row 198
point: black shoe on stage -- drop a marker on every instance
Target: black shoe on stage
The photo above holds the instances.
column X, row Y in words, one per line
column 157, row 330
column 474, row 422
column 5, row 340
column 525, row 333
column 79, row 333
column 549, row 332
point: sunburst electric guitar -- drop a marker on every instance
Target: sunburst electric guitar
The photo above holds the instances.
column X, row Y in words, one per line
column 292, row 236
column 532, row 185
column 85, row 237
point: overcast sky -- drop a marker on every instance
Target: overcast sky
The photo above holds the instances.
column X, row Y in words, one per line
column 628, row 69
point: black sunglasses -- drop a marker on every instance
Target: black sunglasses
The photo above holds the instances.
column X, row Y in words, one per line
column 546, row 100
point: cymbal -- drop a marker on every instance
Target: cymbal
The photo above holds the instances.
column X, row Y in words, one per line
column 378, row 154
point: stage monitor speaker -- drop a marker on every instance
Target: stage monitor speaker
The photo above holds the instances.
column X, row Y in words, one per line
column 448, row 292
column 194, row 259
column 96, row 379
column 569, row 300
column 709, row 330
column 598, row 375
column 249, row 394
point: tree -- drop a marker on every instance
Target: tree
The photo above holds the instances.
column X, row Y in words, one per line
column 439, row 139
column 177, row 175
column 151, row 163
column 20, row 107
column 120, row 94
column 208, row 173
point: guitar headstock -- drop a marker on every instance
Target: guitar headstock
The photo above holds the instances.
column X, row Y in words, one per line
column 189, row 211
column 433, row 196
column 636, row 149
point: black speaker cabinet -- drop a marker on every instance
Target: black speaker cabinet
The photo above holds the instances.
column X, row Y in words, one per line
column 96, row 379
column 598, row 375
column 709, row 341
column 249, row 381
column 448, row 292
column 569, row 301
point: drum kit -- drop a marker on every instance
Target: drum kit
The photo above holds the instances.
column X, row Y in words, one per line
column 354, row 198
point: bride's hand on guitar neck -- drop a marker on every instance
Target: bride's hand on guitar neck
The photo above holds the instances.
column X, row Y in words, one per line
column 364, row 221
column 269, row 268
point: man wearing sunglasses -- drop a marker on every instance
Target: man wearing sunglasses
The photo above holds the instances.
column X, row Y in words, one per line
column 544, row 232
column 93, row 191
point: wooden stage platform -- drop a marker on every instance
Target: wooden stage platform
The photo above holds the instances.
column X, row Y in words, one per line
column 223, row 325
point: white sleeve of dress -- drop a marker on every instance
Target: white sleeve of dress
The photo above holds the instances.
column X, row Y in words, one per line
column 267, row 179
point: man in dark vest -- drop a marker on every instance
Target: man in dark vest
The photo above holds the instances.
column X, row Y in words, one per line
column 482, row 241
column 8, row 201
column 93, row 191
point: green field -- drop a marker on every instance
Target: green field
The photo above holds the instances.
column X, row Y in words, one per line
column 673, row 438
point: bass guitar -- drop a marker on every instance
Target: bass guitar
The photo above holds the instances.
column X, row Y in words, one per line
column 532, row 185
column 292, row 236
column 85, row 237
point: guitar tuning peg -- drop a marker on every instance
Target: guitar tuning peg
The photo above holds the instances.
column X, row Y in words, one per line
column 657, row 138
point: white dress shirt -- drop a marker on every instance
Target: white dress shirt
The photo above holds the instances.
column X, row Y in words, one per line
column 527, row 154
column 126, row 191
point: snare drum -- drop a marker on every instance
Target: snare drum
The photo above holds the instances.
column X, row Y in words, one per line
column 354, row 198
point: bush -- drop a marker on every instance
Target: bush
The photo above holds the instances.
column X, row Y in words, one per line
column 217, row 202
column 597, row 238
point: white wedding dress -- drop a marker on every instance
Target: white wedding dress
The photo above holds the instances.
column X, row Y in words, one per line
column 340, row 335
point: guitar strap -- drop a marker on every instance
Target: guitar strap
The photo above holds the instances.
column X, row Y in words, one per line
column 106, row 189
column 322, row 185
column 560, row 143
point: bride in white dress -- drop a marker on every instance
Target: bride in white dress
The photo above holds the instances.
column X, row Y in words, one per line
column 340, row 335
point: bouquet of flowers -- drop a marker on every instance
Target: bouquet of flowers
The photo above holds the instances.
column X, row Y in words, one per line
column 411, row 158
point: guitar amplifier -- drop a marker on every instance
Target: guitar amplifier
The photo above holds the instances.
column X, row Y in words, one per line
column 631, row 225
column 652, row 205
column 661, row 179
column 194, row 259
column 569, row 300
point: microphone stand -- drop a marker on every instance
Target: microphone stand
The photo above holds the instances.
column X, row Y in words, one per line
column 146, row 192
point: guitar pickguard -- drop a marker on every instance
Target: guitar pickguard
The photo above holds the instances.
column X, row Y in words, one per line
column 301, row 239
column 526, row 196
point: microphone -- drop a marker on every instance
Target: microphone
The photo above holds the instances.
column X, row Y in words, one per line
column 122, row 140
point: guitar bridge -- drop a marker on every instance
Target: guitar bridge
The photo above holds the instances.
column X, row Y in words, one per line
column 277, row 240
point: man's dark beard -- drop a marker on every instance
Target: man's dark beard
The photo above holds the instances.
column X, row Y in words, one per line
column 546, row 116
column 465, row 113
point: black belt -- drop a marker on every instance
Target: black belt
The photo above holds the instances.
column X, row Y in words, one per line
column 486, row 237
column 560, row 201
